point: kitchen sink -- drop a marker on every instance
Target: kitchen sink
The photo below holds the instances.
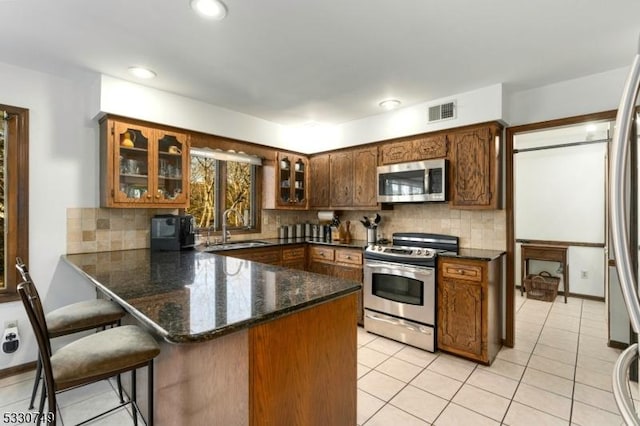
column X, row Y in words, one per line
column 234, row 245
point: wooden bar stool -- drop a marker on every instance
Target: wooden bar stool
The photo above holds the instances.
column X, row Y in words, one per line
column 89, row 359
column 73, row 318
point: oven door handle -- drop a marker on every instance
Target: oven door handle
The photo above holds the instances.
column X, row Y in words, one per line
column 388, row 267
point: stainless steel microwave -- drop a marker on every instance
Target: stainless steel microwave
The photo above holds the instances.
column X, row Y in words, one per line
column 416, row 181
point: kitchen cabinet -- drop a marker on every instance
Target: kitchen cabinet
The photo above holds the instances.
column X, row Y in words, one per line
column 414, row 148
column 291, row 181
column 353, row 178
column 365, row 163
column 319, row 182
column 268, row 255
column 338, row 262
column 475, row 167
column 469, row 307
column 341, row 172
column 143, row 165
column 294, row 257
column 289, row 256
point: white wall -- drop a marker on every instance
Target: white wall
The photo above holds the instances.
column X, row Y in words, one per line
column 135, row 101
column 476, row 106
column 593, row 93
column 63, row 172
column 132, row 100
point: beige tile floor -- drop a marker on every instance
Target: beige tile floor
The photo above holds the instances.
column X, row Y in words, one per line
column 75, row 405
column 559, row 372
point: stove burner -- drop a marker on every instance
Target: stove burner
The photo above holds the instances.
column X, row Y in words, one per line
column 413, row 248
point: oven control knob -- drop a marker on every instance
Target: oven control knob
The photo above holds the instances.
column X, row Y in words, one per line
column 419, row 252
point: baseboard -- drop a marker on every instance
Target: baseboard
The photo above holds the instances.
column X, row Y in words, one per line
column 17, row 369
column 580, row 296
column 617, row 345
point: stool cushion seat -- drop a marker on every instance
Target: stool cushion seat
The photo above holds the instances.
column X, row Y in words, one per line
column 102, row 355
column 83, row 315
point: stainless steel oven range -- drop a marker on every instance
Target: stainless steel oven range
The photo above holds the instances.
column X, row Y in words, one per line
column 400, row 287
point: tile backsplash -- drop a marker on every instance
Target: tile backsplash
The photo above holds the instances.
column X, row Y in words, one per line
column 92, row 230
column 475, row 228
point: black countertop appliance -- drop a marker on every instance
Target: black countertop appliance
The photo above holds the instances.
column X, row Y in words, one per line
column 172, row 232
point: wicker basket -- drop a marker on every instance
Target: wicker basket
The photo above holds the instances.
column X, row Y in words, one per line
column 542, row 286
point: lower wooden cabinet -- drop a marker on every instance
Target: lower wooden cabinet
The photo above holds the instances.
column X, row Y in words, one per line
column 268, row 255
column 294, row 257
column 469, row 307
column 322, row 259
column 338, row 262
column 290, row 256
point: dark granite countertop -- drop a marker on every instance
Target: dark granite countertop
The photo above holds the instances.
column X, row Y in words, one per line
column 477, row 254
column 191, row 296
column 358, row 244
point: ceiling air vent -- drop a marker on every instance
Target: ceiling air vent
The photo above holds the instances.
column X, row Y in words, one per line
column 442, row 111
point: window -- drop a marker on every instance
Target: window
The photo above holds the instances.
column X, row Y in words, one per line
column 14, row 196
column 220, row 184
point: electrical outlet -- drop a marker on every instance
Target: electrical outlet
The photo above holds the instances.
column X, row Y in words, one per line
column 584, row 275
column 10, row 340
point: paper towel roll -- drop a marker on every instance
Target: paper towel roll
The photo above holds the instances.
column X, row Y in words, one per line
column 326, row 216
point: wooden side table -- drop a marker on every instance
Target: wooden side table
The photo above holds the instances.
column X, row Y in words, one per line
column 545, row 252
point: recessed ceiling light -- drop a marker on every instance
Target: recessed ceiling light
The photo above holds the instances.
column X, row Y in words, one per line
column 389, row 104
column 141, row 72
column 212, row 9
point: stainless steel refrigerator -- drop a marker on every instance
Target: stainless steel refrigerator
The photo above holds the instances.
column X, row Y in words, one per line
column 623, row 217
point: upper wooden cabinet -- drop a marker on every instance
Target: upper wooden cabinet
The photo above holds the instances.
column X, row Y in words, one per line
column 353, row 178
column 291, row 181
column 414, row 149
column 475, row 167
column 319, row 181
column 365, row 163
column 341, row 172
column 143, row 165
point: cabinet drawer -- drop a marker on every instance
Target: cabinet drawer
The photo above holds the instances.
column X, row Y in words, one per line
column 349, row 256
column 295, row 253
column 462, row 271
column 321, row 253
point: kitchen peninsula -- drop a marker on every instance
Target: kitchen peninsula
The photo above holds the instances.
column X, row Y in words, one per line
column 243, row 343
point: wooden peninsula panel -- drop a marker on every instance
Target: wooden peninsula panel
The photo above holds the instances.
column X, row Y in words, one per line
column 303, row 367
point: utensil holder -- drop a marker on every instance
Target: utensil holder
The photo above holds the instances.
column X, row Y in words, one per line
column 372, row 236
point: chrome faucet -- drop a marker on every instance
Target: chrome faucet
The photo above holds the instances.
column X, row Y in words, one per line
column 226, row 234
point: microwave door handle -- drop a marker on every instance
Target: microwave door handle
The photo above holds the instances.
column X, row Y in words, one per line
column 427, row 190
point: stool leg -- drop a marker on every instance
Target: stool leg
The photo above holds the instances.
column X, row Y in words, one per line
column 150, row 394
column 134, row 405
column 43, row 395
column 119, row 381
column 36, row 382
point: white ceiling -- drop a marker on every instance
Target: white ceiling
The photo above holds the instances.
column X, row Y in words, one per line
column 328, row 61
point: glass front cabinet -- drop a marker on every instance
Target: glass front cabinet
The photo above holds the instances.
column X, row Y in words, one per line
column 143, row 165
column 291, row 181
